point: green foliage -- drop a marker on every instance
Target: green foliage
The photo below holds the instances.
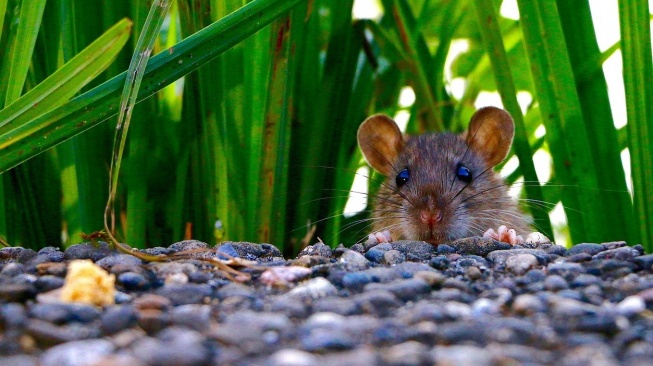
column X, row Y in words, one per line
column 248, row 112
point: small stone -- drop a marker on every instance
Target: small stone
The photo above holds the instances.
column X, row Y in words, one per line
column 379, row 303
column 60, row 313
column 190, row 293
column 528, row 304
column 479, row 246
column 353, row 260
column 631, row 305
column 408, row 353
column 440, row 262
column 393, row 257
column 567, row 270
column 88, row 251
column 12, row 269
column 319, row 249
column 293, row 357
column 133, row 281
column 119, row 259
column 315, row 288
column 405, row 290
column 555, row 283
column 283, row 276
column 173, row 346
column 445, row 249
column 83, row 352
column 152, row 301
column 414, row 250
column 644, row 261
column 521, row 263
column 621, row 253
column 614, row 244
column 188, row 245
column 588, row 248
column 473, row 273
column 17, row 291
column 118, row 318
column 433, row 278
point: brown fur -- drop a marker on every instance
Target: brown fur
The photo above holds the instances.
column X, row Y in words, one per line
column 436, row 206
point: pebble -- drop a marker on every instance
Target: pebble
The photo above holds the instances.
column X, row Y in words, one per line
column 77, row 353
column 472, row 301
column 520, row 264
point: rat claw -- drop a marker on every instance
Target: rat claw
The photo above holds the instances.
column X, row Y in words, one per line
column 379, row 237
column 503, row 234
column 491, row 234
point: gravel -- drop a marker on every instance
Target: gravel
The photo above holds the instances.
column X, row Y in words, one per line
column 473, row 301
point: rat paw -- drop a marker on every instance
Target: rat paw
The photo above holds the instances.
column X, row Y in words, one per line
column 379, row 237
column 505, row 235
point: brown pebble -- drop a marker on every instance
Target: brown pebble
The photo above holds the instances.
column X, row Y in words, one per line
column 151, row 301
column 432, row 278
column 52, row 268
column 473, row 273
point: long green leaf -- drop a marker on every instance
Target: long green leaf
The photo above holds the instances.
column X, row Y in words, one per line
column 31, row 13
column 140, row 58
column 93, row 107
column 563, row 118
column 271, row 210
column 68, row 80
column 489, row 27
column 583, row 47
column 638, row 81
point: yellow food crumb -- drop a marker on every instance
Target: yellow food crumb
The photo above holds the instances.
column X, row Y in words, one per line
column 87, row 283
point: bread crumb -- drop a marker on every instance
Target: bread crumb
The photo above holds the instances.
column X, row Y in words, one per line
column 89, row 284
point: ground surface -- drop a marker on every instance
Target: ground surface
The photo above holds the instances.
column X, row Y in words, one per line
column 473, row 302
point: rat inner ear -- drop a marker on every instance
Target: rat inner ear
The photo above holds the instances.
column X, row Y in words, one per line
column 490, row 134
column 380, row 140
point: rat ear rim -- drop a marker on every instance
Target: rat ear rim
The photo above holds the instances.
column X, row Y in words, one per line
column 380, row 141
column 490, row 134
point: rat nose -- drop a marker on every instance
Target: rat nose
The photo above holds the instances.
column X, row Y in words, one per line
column 430, row 217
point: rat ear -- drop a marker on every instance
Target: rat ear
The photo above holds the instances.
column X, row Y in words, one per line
column 380, row 140
column 490, row 134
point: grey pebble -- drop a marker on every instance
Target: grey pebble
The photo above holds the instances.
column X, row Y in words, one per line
column 520, row 264
column 320, row 249
column 588, row 248
column 89, row 251
column 118, row 318
column 314, row 288
column 190, row 293
column 78, row 353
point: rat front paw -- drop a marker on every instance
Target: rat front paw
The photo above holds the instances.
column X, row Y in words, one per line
column 504, row 234
column 510, row 236
column 379, row 237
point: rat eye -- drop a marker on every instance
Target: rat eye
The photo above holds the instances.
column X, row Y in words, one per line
column 463, row 173
column 402, row 177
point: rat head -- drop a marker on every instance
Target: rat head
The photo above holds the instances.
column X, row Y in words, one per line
column 439, row 186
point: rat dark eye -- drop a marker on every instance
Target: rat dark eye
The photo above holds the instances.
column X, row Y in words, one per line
column 463, row 173
column 402, row 177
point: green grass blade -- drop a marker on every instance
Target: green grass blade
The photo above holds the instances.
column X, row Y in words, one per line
column 593, row 94
column 489, row 27
column 563, row 119
column 68, row 80
column 93, row 107
column 3, row 11
column 638, row 81
column 30, row 16
column 271, row 210
column 140, row 58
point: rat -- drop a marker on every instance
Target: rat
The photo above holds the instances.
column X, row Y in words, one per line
column 441, row 187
